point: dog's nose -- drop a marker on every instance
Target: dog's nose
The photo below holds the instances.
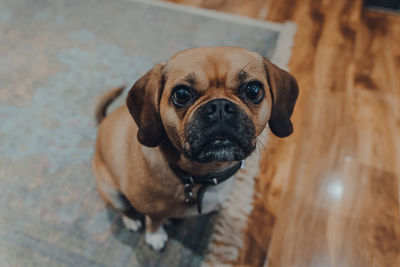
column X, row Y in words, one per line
column 219, row 110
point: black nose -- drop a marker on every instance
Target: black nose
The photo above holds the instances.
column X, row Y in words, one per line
column 219, row 110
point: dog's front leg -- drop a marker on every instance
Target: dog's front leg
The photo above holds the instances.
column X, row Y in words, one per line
column 155, row 235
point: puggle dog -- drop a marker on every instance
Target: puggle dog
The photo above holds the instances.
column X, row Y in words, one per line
column 186, row 127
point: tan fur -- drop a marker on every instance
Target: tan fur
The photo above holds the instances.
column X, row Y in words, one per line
column 106, row 100
column 141, row 172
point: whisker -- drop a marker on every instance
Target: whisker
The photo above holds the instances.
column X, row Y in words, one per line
column 260, row 145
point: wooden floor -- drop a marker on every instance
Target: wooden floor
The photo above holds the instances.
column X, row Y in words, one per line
column 334, row 184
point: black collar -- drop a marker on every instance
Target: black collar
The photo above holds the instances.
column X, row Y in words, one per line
column 206, row 180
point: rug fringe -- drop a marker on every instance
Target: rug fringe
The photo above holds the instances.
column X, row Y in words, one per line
column 284, row 44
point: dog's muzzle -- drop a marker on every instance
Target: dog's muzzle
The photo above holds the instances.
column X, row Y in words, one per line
column 219, row 131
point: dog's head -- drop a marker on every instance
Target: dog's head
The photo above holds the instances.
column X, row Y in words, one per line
column 213, row 102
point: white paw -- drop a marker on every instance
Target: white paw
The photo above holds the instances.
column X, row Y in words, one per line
column 157, row 239
column 131, row 224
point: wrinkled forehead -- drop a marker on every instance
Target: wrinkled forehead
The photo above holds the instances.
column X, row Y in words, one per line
column 214, row 67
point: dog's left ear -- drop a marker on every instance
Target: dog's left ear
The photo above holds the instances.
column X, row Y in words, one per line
column 143, row 102
column 284, row 91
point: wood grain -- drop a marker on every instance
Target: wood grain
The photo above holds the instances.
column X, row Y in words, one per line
column 329, row 194
column 341, row 228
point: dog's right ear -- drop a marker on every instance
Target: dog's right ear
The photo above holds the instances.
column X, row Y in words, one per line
column 143, row 102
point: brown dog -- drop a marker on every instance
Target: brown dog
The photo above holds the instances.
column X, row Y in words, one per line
column 195, row 118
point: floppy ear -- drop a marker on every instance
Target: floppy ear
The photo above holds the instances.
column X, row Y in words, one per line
column 143, row 102
column 284, row 92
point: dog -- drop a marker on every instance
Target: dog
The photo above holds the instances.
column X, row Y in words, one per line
column 186, row 127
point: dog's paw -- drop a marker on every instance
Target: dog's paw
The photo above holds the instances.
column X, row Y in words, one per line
column 131, row 224
column 157, row 239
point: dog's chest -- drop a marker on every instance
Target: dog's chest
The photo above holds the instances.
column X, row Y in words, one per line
column 213, row 198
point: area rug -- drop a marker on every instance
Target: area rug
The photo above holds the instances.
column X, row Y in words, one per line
column 56, row 58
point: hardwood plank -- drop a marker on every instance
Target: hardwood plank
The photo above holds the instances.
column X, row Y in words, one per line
column 355, row 222
column 376, row 91
column 367, row 218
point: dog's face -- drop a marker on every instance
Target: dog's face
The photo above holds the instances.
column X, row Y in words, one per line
column 213, row 102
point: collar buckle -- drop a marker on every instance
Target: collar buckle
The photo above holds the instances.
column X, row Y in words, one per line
column 189, row 199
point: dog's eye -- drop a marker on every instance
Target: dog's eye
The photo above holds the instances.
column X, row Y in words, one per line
column 181, row 95
column 254, row 92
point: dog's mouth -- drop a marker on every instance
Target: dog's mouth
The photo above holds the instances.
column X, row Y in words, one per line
column 221, row 149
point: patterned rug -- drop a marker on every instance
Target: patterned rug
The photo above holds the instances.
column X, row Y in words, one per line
column 57, row 57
